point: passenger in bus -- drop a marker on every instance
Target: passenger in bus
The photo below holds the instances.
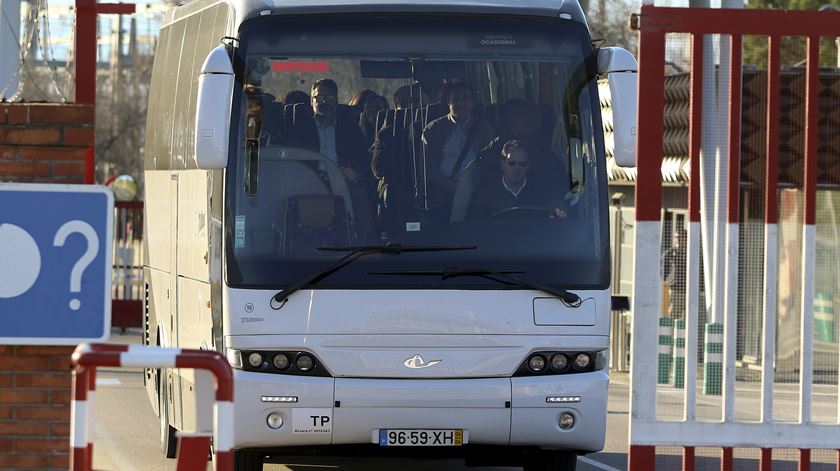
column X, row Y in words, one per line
column 334, row 133
column 410, row 96
column 367, row 119
column 451, row 143
column 514, row 188
column 391, row 163
column 522, row 120
column 261, row 111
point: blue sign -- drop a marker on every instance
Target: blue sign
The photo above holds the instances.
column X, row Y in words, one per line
column 55, row 263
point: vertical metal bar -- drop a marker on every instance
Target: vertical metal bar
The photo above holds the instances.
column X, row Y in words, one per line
column 812, row 90
column 726, row 459
column 647, row 299
column 732, row 229
column 647, row 289
column 765, row 463
column 692, row 282
column 641, row 457
column 688, row 462
column 85, row 52
column 768, row 354
column 804, row 454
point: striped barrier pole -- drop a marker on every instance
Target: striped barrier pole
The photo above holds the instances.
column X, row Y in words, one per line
column 713, row 360
column 87, row 357
column 679, row 354
column 666, row 347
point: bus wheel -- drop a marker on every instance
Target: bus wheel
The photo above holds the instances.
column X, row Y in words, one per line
column 247, row 461
column 552, row 460
column 168, row 440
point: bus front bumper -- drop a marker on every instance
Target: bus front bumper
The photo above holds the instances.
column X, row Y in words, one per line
column 489, row 411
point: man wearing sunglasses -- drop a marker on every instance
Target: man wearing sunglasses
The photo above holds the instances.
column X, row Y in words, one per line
column 514, row 189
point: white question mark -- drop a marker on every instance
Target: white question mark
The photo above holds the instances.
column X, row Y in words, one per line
column 79, row 267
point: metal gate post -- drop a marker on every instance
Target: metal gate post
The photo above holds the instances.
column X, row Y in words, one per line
column 647, row 297
column 646, row 432
column 87, row 357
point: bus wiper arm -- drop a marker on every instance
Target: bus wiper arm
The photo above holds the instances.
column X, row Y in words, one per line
column 501, row 276
column 353, row 253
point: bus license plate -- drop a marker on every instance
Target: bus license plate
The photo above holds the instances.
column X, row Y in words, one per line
column 421, row 437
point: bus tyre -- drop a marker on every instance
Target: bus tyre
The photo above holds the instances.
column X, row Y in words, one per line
column 168, row 440
column 552, row 460
column 247, row 461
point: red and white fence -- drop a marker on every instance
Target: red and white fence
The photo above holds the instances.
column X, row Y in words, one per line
column 647, row 428
column 192, row 448
column 127, row 287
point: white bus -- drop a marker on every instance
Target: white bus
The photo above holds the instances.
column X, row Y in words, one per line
column 421, row 273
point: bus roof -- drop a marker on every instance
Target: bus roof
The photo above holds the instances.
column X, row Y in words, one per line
column 248, row 8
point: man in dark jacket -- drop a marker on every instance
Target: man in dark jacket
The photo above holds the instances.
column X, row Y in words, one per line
column 451, row 143
column 333, row 131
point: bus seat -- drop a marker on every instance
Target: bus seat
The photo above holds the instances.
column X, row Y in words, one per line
column 302, row 111
column 548, row 121
column 463, row 193
column 272, row 129
column 288, row 119
column 492, row 116
column 380, row 120
column 283, row 179
column 435, row 111
column 314, row 221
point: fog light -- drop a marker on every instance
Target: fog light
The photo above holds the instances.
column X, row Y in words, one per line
column 274, row 420
column 281, row 361
column 255, row 360
column 582, row 361
column 536, row 363
column 304, row 363
column 559, row 362
column 567, row 420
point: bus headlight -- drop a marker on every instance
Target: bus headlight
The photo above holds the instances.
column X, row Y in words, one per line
column 304, row 362
column 281, row 361
column 536, row 363
column 559, row 362
column 255, row 360
column 582, row 361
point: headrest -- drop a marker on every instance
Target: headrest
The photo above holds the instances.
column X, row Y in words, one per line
column 315, row 211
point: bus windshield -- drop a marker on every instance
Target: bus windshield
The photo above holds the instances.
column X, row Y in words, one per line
column 370, row 130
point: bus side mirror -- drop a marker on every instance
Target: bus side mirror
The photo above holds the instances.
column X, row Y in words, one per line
column 212, row 115
column 620, row 67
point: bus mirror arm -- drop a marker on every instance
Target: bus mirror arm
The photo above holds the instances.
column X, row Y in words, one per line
column 212, row 115
column 620, row 67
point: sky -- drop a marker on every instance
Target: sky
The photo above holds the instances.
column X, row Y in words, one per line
column 60, row 18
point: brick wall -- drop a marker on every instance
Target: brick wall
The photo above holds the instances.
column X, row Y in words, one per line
column 34, row 407
column 43, row 143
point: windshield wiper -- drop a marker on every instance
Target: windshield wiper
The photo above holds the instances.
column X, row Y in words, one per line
column 353, row 253
column 500, row 276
